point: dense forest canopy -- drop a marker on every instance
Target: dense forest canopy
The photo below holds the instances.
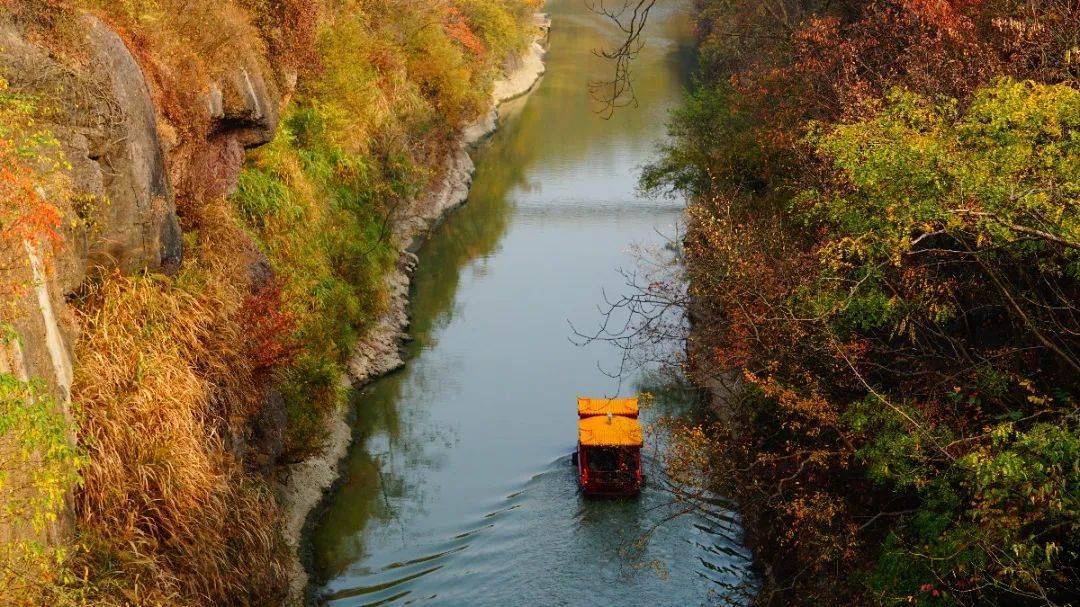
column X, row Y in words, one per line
column 884, row 261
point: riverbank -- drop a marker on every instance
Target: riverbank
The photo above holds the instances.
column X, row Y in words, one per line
column 307, row 482
column 457, row 488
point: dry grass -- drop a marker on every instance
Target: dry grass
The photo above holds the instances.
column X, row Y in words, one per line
column 165, row 508
column 202, row 38
column 182, row 44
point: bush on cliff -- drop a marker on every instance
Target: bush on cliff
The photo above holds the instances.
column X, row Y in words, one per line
column 38, row 467
column 38, row 464
column 165, row 381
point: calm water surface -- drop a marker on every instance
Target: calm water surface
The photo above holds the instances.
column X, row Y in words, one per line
column 458, row 489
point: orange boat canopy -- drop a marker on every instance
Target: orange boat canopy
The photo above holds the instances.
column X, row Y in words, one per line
column 609, row 431
column 602, row 406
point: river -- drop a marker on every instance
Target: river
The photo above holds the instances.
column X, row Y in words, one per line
column 458, row 488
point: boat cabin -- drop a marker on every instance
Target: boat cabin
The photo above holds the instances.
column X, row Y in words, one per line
column 609, row 447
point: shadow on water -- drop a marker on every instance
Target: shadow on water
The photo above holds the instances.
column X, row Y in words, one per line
column 458, row 488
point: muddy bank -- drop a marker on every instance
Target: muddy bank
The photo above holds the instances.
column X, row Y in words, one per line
column 378, row 353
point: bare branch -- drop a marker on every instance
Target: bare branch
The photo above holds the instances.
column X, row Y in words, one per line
column 630, row 16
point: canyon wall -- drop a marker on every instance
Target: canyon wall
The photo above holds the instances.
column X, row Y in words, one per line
column 182, row 310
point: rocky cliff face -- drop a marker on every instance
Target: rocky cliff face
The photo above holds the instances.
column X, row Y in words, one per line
column 196, row 368
column 121, row 215
column 124, row 166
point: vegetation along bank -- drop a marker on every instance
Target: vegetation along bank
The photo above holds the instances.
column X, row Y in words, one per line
column 204, row 206
column 883, row 255
column 378, row 352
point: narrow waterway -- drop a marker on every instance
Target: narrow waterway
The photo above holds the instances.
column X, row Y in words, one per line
column 458, row 489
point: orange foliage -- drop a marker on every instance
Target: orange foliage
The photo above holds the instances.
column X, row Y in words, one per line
column 457, row 27
column 269, row 327
column 25, row 214
column 26, row 170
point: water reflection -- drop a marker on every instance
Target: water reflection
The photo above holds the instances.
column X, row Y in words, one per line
column 458, row 490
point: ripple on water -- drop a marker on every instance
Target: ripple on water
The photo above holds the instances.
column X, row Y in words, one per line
column 501, row 558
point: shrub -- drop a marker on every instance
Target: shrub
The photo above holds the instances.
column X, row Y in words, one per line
column 188, row 40
column 165, row 509
column 38, row 467
column 311, row 209
column 30, row 164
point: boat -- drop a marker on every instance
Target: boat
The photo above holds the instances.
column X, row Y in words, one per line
column 608, row 456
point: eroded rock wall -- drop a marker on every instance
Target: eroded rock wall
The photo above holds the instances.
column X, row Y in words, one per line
column 124, row 164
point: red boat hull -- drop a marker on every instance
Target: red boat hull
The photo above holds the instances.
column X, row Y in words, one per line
column 610, row 472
